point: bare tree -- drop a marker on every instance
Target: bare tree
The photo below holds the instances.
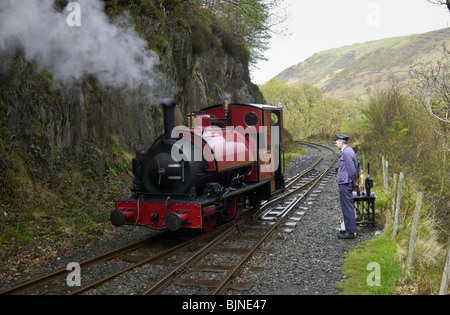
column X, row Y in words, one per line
column 433, row 86
column 441, row 2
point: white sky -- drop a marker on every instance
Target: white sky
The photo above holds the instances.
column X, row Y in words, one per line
column 318, row 25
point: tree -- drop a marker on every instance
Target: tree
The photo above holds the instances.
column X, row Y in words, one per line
column 386, row 117
column 433, row 86
column 249, row 23
column 441, row 2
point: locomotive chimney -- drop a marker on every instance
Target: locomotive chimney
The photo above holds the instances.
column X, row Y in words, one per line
column 169, row 118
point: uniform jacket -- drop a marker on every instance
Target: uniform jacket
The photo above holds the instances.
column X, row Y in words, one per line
column 348, row 166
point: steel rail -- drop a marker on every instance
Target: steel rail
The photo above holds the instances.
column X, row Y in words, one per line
column 294, row 179
column 167, row 279
column 227, row 280
column 150, row 260
column 221, row 286
column 46, row 279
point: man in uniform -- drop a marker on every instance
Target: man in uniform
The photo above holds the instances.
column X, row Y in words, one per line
column 347, row 180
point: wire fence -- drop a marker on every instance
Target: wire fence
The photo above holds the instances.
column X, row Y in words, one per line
column 402, row 203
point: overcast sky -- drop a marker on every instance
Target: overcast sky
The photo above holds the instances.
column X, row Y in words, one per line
column 316, row 26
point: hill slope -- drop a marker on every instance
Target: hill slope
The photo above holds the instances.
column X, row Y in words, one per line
column 358, row 68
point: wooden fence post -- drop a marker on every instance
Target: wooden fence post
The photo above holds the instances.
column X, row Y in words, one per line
column 385, row 173
column 399, row 201
column 445, row 275
column 394, row 191
column 412, row 240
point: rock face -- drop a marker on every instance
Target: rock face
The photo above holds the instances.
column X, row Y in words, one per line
column 49, row 118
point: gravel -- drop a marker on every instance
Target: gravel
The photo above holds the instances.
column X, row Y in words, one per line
column 306, row 261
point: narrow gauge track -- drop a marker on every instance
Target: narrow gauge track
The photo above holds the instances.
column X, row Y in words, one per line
column 46, row 281
column 55, row 282
column 274, row 213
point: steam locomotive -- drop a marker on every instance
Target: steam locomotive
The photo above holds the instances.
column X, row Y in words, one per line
column 227, row 161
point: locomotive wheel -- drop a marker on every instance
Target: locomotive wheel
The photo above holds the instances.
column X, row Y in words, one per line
column 234, row 208
column 209, row 223
column 255, row 200
column 239, row 206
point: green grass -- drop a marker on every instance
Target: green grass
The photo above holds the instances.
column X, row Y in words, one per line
column 356, row 268
column 293, row 151
column 291, row 156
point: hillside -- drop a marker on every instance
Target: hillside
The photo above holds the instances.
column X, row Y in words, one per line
column 359, row 68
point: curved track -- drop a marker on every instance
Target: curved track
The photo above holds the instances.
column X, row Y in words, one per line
column 275, row 212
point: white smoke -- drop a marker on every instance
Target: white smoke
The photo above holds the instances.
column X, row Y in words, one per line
column 114, row 53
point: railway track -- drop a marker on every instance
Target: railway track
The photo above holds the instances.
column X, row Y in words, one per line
column 274, row 213
column 54, row 283
column 193, row 269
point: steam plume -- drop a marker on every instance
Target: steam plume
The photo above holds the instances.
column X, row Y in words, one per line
column 114, row 53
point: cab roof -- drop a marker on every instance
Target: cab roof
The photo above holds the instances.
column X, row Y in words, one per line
column 258, row 106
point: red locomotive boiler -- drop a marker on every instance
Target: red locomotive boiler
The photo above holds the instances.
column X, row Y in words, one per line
column 227, row 161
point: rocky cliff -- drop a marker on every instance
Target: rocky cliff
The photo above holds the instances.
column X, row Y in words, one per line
column 198, row 66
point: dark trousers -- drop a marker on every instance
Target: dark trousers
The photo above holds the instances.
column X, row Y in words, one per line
column 348, row 207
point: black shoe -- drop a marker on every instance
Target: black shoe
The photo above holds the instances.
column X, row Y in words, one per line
column 342, row 231
column 346, row 236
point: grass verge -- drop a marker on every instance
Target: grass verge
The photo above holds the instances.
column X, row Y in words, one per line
column 377, row 257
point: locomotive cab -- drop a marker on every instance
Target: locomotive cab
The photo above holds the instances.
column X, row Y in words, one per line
column 263, row 125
